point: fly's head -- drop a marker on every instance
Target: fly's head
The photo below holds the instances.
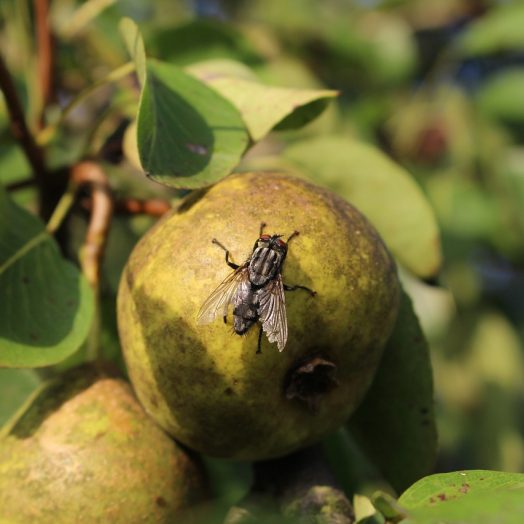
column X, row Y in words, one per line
column 274, row 242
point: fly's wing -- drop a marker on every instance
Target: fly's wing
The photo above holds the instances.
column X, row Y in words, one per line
column 272, row 312
column 217, row 303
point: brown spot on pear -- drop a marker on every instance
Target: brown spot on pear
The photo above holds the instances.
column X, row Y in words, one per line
column 184, row 373
column 84, row 450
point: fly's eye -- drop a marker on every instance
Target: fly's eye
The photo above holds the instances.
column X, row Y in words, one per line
column 265, row 237
column 281, row 243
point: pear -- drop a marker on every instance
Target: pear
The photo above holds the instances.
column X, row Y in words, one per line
column 208, row 386
column 84, row 450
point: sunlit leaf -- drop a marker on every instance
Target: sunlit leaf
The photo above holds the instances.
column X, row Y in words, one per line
column 500, row 507
column 444, row 487
column 188, row 135
column 365, row 511
column 478, row 496
column 395, row 424
column 208, row 70
column 46, row 305
column 265, row 107
column 382, row 190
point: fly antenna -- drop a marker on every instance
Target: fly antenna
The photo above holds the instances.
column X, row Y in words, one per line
column 293, row 235
column 262, row 226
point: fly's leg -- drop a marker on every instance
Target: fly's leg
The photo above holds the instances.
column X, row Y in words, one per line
column 225, row 319
column 293, row 235
column 293, row 288
column 262, row 226
column 228, row 262
column 259, row 345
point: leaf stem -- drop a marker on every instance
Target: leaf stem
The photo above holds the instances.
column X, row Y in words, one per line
column 30, row 244
column 20, row 184
column 91, row 175
column 62, row 209
column 154, row 207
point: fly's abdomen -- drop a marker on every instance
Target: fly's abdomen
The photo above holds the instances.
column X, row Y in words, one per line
column 264, row 265
column 245, row 312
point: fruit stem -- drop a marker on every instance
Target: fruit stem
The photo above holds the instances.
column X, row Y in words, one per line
column 92, row 176
column 304, row 488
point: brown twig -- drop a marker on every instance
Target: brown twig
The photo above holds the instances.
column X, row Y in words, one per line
column 44, row 41
column 91, row 176
column 21, row 184
column 154, row 207
column 20, row 130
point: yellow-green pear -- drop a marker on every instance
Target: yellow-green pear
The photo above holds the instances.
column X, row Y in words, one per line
column 83, row 450
column 207, row 385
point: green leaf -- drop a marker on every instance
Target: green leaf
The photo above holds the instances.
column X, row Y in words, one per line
column 46, row 305
column 188, row 135
column 264, row 108
column 477, row 496
column 382, row 190
column 443, row 487
column 15, row 386
column 351, row 466
column 463, row 207
column 499, row 30
column 395, row 425
column 502, row 96
column 135, row 46
column 501, row 507
column 202, row 39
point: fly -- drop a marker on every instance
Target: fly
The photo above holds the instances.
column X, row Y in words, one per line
column 256, row 291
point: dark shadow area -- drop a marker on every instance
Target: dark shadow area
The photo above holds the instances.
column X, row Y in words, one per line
column 193, row 388
column 187, row 42
column 190, row 200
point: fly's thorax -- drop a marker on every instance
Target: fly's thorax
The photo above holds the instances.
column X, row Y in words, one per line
column 264, row 265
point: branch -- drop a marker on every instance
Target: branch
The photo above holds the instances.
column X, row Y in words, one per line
column 45, row 54
column 302, row 485
column 19, row 127
column 91, row 176
column 21, row 184
column 154, row 207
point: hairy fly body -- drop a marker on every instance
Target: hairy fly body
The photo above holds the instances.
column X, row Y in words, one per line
column 256, row 291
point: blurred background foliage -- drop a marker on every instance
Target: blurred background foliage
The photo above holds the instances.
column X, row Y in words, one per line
column 438, row 85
